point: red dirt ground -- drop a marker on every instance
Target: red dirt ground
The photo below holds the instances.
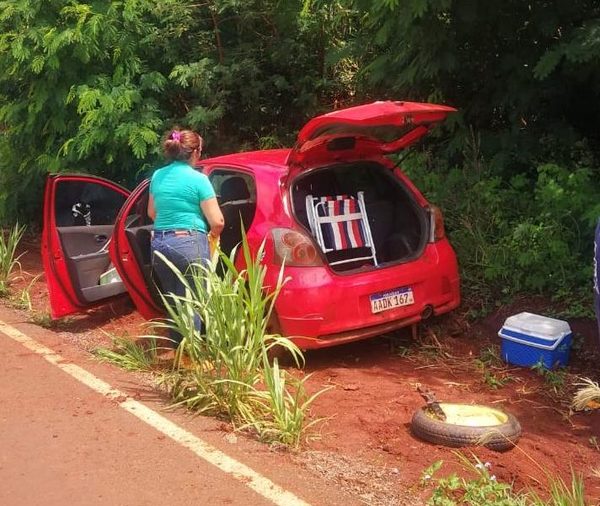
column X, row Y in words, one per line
column 365, row 443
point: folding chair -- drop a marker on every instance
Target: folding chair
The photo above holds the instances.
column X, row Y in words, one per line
column 340, row 223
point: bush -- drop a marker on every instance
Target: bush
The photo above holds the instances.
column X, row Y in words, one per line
column 518, row 234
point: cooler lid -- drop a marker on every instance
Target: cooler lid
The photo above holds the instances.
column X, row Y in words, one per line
column 540, row 326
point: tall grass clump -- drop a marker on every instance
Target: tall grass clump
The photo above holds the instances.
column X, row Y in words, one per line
column 561, row 493
column 285, row 405
column 9, row 240
column 223, row 369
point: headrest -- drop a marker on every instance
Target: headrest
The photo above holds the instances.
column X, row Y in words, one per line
column 234, row 188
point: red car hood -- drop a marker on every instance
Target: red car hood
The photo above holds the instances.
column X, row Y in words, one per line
column 363, row 131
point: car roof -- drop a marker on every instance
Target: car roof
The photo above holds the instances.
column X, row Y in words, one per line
column 271, row 160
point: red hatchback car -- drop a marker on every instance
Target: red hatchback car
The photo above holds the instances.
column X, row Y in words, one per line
column 366, row 253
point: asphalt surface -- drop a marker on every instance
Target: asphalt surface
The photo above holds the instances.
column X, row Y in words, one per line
column 63, row 443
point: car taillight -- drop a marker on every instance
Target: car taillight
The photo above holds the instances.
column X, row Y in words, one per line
column 295, row 248
column 437, row 224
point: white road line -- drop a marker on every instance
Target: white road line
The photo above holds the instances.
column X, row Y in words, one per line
column 260, row 484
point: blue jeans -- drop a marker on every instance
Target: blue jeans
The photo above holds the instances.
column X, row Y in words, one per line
column 182, row 251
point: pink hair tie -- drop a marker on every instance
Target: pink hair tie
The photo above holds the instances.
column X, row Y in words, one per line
column 176, row 135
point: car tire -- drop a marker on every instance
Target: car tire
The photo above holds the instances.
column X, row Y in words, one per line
column 499, row 437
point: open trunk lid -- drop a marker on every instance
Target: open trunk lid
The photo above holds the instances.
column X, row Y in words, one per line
column 362, row 131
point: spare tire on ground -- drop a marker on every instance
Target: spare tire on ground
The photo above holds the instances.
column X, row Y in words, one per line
column 467, row 425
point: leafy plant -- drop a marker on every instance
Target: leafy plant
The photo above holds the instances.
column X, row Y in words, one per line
column 493, row 368
column 509, row 245
column 482, row 488
column 130, row 355
column 24, row 298
column 234, row 310
column 555, row 379
column 228, row 361
column 495, row 381
column 490, row 357
column 560, row 493
column 9, row 241
column 286, row 406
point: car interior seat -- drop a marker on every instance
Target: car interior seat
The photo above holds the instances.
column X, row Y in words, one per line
column 238, row 210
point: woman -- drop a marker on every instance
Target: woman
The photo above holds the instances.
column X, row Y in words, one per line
column 185, row 210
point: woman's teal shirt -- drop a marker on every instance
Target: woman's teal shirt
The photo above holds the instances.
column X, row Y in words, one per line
column 177, row 190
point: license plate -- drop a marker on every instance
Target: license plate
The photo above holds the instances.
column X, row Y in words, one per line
column 390, row 300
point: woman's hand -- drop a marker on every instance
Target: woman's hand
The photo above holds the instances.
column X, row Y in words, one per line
column 214, row 216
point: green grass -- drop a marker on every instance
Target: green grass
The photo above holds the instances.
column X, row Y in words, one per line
column 560, row 493
column 9, row 240
column 23, row 299
column 480, row 488
column 493, row 369
column 286, row 406
column 130, row 355
column 45, row 320
column 225, row 370
column 555, row 379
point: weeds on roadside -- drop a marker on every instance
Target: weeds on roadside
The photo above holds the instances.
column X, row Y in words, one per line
column 285, row 405
column 227, row 362
column 493, row 368
column 8, row 262
column 555, row 379
column 46, row 321
column 483, row 488
column 495, row 381
column 561, row 493
column 130, row 355
column 23, row 300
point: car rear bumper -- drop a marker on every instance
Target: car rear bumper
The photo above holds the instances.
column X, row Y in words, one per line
column 318, row 308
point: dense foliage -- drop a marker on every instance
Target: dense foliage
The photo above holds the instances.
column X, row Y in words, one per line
column 91, row 86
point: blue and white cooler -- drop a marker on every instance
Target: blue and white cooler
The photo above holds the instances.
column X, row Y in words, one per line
column 529, row 339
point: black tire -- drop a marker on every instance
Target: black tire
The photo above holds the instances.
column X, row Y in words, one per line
column 500, row 437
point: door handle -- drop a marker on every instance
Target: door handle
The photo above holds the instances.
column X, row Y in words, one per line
column 101, row 238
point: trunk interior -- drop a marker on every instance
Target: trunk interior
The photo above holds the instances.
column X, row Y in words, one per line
column 399, row 227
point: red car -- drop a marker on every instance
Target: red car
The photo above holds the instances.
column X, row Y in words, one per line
column 366, row 253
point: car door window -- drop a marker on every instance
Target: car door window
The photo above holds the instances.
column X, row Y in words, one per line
column 84, row 203
column 236, row 193
column 231, row 185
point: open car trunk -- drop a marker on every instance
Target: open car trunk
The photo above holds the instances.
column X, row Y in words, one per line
column 398, row 226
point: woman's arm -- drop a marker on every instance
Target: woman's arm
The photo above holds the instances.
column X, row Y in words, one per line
column 214, row 216
column 151, row 210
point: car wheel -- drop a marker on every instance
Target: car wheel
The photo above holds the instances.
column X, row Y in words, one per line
column 499, row 436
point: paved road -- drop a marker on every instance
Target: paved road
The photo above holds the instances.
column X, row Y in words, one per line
column 62, row 443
